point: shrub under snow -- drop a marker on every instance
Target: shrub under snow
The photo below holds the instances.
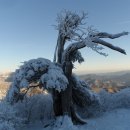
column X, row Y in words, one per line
column 112, row 101
column 36, row 108
column 37, row 70
column 107, row 102
column 9, row 117
column 6, row 126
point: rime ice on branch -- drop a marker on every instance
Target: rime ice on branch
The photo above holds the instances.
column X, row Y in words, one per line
column 71, row 27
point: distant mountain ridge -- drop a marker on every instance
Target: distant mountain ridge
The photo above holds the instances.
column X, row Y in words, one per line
column 119, row 76
column 108, row 75
column 113, row 81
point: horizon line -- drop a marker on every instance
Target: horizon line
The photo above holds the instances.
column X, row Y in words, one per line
column 83, row 72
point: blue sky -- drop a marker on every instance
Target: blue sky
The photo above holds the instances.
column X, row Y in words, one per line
column 26, row 31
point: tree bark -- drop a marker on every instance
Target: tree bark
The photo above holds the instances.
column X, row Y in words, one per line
column 62, row 101
column 60, row 48
column 67, row 94
column 68, row 107
column 57, row 103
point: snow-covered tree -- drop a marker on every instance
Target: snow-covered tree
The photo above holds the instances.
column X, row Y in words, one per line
column 66, row 88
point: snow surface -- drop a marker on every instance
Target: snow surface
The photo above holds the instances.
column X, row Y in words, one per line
column 118, row 119
column 114, row 114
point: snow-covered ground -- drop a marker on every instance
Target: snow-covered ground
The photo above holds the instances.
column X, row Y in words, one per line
column 118, row 119
column 112, row 114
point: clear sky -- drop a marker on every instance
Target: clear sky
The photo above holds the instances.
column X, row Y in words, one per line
column 26, row 31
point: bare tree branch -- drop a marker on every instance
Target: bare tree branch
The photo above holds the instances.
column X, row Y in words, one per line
column 111, row 36
column 71, row 48
column 104, row 43
column 93, row 38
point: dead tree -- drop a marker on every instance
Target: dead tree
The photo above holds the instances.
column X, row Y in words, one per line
column 70, row 27
column 67, row 89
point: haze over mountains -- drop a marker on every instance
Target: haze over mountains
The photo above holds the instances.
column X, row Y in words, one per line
column 112, row 82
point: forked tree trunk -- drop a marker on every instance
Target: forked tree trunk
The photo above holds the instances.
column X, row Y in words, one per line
column 63, row 103
column 57, row 103
column 57, row 97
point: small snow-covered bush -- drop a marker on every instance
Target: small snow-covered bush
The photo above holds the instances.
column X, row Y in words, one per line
column 6, row 126
column 36, row 107
column 112, row 101
column 9, row 118
column 41, row 71
column 117, row 100
column 107, row 102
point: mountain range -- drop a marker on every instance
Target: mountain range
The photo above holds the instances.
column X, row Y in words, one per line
column 112, row 82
